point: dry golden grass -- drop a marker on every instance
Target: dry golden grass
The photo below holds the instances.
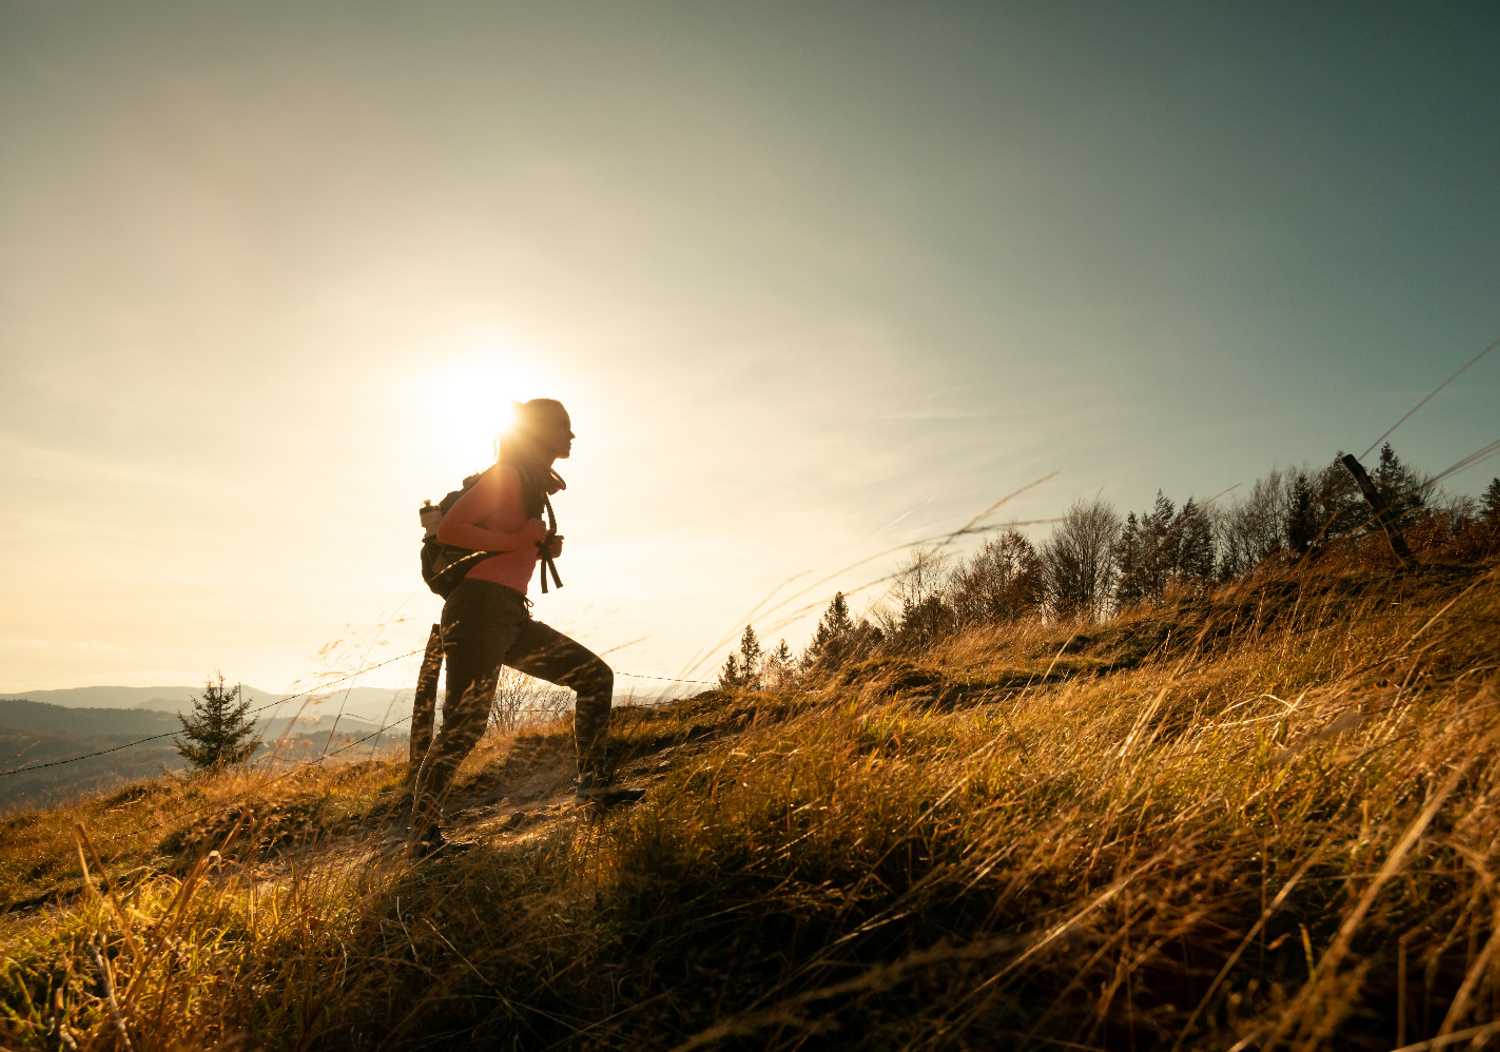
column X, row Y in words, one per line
column 1264, row 819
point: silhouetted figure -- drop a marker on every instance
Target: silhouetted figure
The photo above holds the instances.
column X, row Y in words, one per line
column 487, row 619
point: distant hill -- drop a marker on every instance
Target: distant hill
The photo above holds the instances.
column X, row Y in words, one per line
column 22, row 714
column 165, row 699
column 17, row 714
column 370, row 703
column 34, row 732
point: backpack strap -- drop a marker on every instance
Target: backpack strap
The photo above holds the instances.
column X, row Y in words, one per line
column 547, row 564
column 537, row 492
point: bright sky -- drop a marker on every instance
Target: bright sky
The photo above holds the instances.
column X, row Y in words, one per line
column 814, row 279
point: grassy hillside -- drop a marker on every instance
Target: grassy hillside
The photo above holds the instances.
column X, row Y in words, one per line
column 1260, row 819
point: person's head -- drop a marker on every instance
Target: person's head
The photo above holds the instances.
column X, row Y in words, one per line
column 542, row 429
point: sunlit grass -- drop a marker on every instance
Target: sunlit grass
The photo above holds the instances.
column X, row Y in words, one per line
column 1265, row 819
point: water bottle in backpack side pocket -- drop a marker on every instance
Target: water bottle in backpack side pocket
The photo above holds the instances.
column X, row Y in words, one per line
column 431, row 515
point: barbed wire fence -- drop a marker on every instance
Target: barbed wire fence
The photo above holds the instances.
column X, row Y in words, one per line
column 309, row 693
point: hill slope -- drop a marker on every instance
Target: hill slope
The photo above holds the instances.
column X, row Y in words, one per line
column 1262, row 819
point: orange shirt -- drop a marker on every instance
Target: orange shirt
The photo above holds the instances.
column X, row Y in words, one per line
column 491, row 517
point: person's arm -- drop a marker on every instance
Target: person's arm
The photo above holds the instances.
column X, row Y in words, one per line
column 497, row 490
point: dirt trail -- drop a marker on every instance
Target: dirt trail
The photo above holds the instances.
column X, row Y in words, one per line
column 518, row 794
column 521, row 796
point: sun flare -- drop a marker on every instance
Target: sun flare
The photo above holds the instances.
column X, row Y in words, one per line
column 474, row 391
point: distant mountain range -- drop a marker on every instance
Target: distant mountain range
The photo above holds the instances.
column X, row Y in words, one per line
column 369, row 703
column 50, row 725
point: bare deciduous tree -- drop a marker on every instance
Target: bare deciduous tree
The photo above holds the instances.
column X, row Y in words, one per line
column 1077, row 563
column 923, row 615
column 1252, row 530
column 520, row 699
column 1003, row 581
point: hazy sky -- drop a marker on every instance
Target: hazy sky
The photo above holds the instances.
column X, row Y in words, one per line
column 815, row 279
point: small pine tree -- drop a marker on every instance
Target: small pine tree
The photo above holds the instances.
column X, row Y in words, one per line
column 219, row 732
column 1491, row 501
column 831, row 640
column 778, row 667
column 751, row 658
column 744, row 668
column 729, row 675
column 1398, row 484
column 1301, row 520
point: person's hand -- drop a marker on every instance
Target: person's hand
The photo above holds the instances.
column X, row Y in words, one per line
column 554, row 546
column 536, row 530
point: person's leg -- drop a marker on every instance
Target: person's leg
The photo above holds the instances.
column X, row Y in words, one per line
column 478, row 631
column 544, row 652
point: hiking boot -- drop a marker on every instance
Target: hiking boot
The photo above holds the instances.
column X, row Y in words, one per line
column 430, row 842
column 611, row 796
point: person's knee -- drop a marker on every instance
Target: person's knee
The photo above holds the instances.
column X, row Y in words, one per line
column 601, row 678
column 591, row 676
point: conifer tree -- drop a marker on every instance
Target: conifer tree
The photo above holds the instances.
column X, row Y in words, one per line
column 1158, row 548
column 1491, row 501
column 751, row 658
column 831, row 640
column 729, row 675
column 1397, row 483
column 219, row 731
column 1301, row 520
column 1193, row 559
column 1338, row 507
column 744, row 667
column 778, row 666
column 1130, row 587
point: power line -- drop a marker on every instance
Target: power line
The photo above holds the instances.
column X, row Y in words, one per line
column 1482, row 453
column 1430, row 396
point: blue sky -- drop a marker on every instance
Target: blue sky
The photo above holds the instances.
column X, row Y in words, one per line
column 816, row 279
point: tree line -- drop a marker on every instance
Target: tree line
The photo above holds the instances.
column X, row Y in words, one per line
column 1097, row 562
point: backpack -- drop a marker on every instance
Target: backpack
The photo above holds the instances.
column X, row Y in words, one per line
column 445, row 565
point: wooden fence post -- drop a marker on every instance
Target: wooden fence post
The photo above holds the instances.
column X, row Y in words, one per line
column 1383, row 512
column 424, row 703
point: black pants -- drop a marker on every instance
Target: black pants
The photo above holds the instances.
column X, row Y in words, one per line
column 486, row 626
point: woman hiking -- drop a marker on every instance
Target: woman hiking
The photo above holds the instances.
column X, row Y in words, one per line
column 487, row 619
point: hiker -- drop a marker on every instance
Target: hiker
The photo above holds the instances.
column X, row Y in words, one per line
column 487, row 619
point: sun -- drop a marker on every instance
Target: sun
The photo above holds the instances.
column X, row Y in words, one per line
column 472, row 393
